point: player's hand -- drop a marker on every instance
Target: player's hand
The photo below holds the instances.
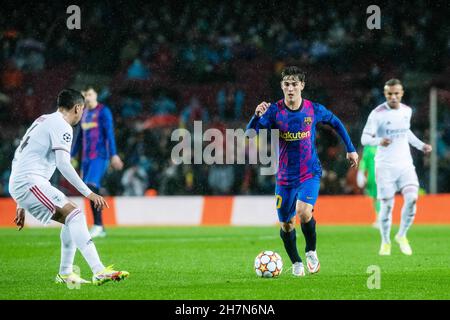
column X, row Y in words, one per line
column 19, row 220
column 99, row 201
column 261, row 108
column 353, row 158
column 116, row 162
column 427, row 148
column 385, row 142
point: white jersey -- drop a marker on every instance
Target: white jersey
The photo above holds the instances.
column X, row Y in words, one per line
column 394, row 124
column 34, row 158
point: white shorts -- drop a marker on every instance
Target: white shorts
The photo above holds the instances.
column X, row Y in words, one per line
column 391, row 180
column 39, row 199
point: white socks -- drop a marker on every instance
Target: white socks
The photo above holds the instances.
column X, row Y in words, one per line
column 385, row 216
column 408, row 209
column 408, row 213
column 68, row 250
column 76, row 223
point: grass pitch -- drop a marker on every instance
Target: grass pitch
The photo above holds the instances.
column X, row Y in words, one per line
column 217, row 263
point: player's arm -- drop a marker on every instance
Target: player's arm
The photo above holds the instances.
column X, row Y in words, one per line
column 116, row 162
column 262, row 119
column 417, row 143
column 61, row 143
column 65, row 167
column 326, row 116
column 369, row 136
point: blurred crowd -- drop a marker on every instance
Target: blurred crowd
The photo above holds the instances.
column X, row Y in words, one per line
column 169, row 64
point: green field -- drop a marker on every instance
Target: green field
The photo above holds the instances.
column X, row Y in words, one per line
column 217, row 263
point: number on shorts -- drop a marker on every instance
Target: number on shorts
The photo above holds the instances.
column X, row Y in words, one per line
column 279, row 200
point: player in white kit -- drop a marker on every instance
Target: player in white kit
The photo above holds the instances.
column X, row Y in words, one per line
column 46, row 146
column 388, row 127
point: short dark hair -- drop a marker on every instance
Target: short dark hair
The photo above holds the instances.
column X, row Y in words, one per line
column 293, row 71
column 393, row 82
column 68, row 98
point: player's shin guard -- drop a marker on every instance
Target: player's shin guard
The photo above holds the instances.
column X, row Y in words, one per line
column 98, row 221
column 386, row 206
column 408, row 209
column 309, row 231
column 76, row 222
column 290, row 244
column 68, row 250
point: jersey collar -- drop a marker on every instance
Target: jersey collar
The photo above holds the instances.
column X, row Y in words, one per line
column 291, row 110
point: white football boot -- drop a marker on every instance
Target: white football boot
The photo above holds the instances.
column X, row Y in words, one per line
column 405, row 248
column 298, row 270
column 312, row 262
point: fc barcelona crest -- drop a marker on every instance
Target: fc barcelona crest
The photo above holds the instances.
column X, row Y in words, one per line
column 307, row 121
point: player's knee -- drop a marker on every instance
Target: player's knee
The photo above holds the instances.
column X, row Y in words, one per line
column 388, row 203
column 305, row 214
column 410, row 199
column 62, row 213
column 304, row 211
column 288, row 226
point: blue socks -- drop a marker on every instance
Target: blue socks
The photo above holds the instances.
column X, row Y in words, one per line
column 290, row 244
column 309, row 231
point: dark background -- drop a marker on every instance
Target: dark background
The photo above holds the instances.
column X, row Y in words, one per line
column 160, row 66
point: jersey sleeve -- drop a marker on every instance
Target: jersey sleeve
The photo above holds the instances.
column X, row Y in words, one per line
column 326, row 116
column 266, row 121
column 414, row 141
column 108, row 126
column 369, row 134
column 64, row 166
column 61, row 137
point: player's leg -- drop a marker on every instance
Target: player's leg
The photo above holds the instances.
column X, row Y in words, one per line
column 93, row 172
column 410, row 196
column 41, row 200
column 386, row 188
column 386, row 207
column 285, row 198
column 306, row 199
column 74, row 219
column 68, row 250
column 371, row 191
column 409, row 187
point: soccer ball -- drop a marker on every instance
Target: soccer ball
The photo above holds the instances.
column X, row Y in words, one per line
column 268, row 264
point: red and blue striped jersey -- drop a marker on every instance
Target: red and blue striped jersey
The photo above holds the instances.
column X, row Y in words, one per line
column 297, row 154
column 97, row 134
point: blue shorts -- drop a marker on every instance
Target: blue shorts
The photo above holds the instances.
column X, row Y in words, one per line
column 94, row 170
column 287, row 197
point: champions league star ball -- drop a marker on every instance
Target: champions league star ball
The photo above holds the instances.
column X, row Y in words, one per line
column 268, row 264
